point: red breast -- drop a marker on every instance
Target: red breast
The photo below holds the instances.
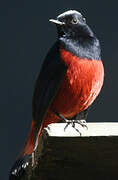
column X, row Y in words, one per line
column 81, row 86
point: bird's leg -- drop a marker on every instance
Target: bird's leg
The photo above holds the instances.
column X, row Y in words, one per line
column 64, row 120
column 72, row 121
column 61, row 117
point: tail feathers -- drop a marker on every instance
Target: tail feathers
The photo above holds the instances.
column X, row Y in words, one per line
column 29, row 145
column 19, row 168
column 32, row 140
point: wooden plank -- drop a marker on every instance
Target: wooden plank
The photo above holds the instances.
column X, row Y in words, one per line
column 65, row 155
column 94, row 129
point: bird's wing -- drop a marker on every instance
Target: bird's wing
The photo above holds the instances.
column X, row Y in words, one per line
column 51, row 75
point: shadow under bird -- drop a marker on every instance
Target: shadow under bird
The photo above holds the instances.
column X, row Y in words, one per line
column 70, row 79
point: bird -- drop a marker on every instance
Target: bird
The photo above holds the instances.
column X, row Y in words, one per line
column 70, row 79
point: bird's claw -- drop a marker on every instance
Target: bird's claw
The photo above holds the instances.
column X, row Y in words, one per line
column 80, row 122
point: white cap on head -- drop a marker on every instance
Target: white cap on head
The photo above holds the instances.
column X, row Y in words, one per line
column 70, row 12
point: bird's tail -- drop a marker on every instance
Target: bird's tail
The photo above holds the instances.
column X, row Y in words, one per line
column 32, row 140
column 29, row 145
column 19, row 168
column 22, row 161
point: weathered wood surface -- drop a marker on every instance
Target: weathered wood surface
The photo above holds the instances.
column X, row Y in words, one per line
column 67, row 155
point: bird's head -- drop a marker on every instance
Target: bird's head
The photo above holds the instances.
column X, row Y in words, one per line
column 72, row 24
column 76, row 36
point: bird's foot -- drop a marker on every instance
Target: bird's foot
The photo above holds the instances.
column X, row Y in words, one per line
column 73, row 122
column 82, row 123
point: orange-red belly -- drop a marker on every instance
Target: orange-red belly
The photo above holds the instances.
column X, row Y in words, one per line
column 82, row 84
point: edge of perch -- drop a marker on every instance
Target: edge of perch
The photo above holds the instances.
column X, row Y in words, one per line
column 67, row 155
column 94, row 129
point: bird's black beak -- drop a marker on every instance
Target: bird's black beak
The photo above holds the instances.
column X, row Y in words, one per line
column 56, row 22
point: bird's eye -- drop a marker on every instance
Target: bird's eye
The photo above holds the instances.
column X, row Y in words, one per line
column 84, row 20
column 74, row 21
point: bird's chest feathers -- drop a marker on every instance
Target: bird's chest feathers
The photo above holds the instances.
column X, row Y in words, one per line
column 84, row 78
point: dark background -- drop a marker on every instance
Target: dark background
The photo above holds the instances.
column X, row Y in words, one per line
column 25, row 37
